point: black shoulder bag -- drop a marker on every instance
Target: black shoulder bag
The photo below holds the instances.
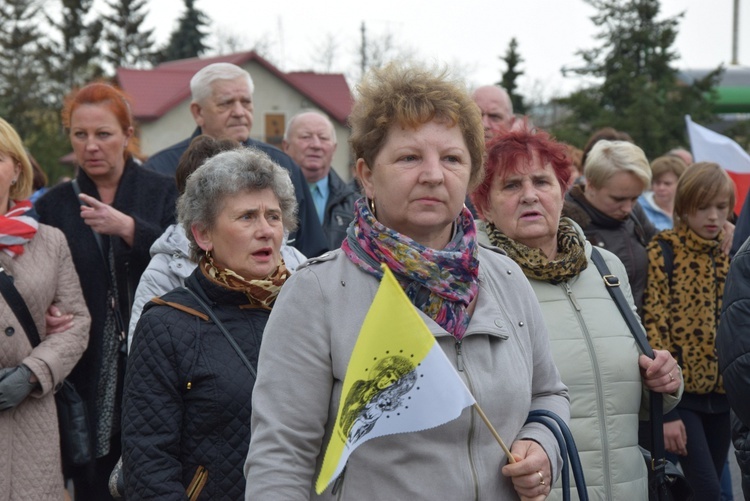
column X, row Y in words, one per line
column 75, row 433
column 665, row 481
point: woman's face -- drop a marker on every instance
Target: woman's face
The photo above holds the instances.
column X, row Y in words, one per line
column 247, row 234
column 665, row 188
column 526, row 206
column 708, row 221
column 617, row 196
column 419, row 181
column 98, row 141
column 9, row 170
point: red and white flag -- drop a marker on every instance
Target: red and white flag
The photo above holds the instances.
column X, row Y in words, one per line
column 710, row 146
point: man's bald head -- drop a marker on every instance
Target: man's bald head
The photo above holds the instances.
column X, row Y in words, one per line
column 497, row 109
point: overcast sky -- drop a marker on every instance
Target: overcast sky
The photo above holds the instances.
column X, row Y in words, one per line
column 468, row 34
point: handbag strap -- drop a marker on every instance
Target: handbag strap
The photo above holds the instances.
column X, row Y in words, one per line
column 18, row 305
column 221, row 327
column 568, row 451
column 656, row 421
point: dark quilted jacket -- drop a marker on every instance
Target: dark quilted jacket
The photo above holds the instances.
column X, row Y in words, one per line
column 733, row 348
column 187, row 396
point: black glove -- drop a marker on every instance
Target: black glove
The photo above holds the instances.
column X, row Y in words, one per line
column 14, row 386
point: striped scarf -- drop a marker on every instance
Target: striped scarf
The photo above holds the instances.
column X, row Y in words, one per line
column 17, row 228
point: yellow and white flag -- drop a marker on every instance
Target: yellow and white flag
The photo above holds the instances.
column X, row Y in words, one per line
column 398, row 380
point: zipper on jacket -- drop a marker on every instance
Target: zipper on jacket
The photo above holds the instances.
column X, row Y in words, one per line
column 599, row 385
column 459, row 357
column 197, row 484
column 571, row 297
column 461, row 368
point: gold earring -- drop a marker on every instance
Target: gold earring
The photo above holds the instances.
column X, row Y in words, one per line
column 371, row 204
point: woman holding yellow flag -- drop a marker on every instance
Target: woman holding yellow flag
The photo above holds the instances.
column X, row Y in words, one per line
column 471, row 329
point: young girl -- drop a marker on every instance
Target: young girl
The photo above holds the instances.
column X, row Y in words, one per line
column 681, row 309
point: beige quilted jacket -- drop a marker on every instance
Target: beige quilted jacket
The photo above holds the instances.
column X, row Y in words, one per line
column 29, row 438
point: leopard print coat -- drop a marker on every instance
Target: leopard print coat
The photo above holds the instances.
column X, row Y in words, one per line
column 682, row 314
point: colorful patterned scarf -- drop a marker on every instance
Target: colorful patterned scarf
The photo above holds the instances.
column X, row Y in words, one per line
column 17, row 228
column 569, row 262
column 441, row 283
column 260, row 293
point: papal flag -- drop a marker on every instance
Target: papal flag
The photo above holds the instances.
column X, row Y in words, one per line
column 398, row 380
column 710, row 146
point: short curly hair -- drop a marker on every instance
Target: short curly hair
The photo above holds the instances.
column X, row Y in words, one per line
column 226, row 174
column 410, row 96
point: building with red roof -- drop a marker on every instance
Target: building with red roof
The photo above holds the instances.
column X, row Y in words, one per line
column 161, row 101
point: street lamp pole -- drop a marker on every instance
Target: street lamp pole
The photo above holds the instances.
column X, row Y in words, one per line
column 735, row 32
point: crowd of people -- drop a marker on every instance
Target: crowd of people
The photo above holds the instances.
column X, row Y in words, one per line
column 206, row 301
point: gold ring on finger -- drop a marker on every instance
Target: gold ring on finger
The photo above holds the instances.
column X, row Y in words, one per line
column 541, row 478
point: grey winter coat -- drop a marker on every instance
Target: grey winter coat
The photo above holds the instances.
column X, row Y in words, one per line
column 505, row 360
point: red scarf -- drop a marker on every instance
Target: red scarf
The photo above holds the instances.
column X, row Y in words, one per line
column 17, row 228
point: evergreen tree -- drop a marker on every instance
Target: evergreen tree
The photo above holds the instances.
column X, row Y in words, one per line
column 512, row 59
column 188, row 40
column 75, row 58
column 19, row 63
column 24, row 94
column 640, row 91
column 129, row 44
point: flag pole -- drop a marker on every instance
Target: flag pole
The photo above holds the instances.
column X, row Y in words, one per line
column 481, row 413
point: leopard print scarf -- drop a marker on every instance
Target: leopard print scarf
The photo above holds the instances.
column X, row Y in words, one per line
column 261, row 293
column 569, row 262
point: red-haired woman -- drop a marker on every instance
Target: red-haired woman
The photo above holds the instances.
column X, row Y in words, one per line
column 110, row 213
column 521, row 200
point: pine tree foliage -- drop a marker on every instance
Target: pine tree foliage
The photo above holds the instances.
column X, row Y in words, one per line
column 189, row 39
column 508, row 82
column 74, row 55
column 129, row 44
column 640, row 92
column 19, row 63
column 24, row 97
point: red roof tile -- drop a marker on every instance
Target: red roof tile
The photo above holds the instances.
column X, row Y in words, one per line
column 329, row 91
column 156, row 91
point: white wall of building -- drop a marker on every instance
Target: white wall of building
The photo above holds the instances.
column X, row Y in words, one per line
column 272, row 96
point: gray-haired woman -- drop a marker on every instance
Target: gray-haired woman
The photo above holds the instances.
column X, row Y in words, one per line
column 186, row 410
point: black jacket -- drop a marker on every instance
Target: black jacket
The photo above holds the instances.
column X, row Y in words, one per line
column 187, row 395
column 149, row 198
column 339, row 210
column 742, row 230
column 625, row 239
column 733, row 349
column 309, row 238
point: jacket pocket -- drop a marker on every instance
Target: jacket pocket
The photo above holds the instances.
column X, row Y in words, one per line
column 197, row 484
